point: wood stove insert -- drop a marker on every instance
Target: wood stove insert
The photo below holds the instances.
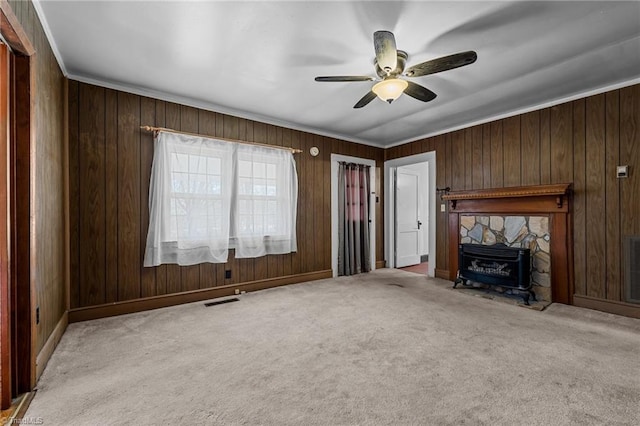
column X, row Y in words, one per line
column 496, row 265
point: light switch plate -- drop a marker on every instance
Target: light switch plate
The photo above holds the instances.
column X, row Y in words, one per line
column 443, row 208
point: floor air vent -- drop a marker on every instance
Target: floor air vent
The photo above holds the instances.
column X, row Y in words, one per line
column 220, row 302
column 632, row 270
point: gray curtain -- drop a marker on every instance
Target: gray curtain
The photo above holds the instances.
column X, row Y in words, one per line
column 353, row 219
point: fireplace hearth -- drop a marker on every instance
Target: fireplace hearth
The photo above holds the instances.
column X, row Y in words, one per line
column 496, row 265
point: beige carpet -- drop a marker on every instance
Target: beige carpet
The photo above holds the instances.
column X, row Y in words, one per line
column 390, row 347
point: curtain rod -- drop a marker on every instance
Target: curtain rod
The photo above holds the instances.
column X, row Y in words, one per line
column 164, row 129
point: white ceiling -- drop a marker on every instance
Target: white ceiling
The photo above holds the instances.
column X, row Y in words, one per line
column 258, row 60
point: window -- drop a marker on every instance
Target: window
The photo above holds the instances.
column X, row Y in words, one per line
column 257, row 198
column 266, row 201
column 207, row 196
column 196, row 196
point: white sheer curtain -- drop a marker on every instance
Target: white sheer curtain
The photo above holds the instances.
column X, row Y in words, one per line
column 265, row 202
column 189, row 201
column 206, row 196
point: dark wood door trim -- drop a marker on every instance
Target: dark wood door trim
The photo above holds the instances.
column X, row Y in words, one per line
column 16, row 238
column 12, row 31
column 22, row 285
column 5, row 282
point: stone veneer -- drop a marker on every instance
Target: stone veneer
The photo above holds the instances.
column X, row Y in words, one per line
column 530, row 232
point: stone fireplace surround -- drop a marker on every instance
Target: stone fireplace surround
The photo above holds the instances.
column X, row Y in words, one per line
column 548, row 206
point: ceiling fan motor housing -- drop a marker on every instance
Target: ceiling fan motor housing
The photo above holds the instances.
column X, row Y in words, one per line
column 402, row 61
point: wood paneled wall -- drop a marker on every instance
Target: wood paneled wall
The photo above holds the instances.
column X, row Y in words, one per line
column 110, row 165
column 47, row 178
column 579, row 142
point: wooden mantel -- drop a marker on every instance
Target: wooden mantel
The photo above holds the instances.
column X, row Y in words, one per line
column 559, row 191
column 553, row 201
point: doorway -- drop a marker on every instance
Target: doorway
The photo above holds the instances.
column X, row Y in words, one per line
column 17, row 319
column 412, row 214
column 410, row 211
column 335, row 160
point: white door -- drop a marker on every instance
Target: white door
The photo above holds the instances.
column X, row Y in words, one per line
column 407, row 218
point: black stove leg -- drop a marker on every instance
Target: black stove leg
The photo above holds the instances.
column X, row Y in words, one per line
column 458, row 280
column 533, row 295
column 525, row 297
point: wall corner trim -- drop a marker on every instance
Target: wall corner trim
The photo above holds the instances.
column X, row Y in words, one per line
column 50, row 345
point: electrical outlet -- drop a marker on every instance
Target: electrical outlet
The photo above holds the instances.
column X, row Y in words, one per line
column 237, row 291
column 443, row 208
column 622, row 172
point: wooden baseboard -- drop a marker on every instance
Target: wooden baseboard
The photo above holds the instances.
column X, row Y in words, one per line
column 381, row 264
column 50, row 345
column 138, row 305
column 610, row 306
column 442, row 273
column 24, row 405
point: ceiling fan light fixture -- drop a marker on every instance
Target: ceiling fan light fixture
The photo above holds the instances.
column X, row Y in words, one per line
column 390, row 89
column 389, row 64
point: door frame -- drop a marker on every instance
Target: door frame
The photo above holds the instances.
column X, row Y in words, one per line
column 390, row 167
column 335, row 159
column 18, row 162
column 418, row 231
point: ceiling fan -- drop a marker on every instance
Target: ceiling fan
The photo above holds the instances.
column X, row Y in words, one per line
column 389, row 64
